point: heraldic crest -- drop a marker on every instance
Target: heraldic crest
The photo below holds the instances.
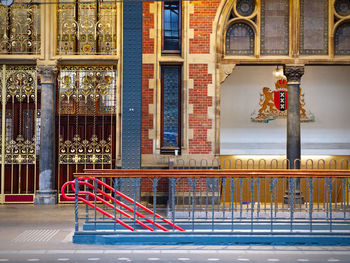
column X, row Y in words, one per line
column 274, row 104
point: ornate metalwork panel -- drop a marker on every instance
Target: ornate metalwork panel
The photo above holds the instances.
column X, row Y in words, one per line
column 86, row 98
column 342, row 39
column 274, row 27
column 240, row 39
column 20, row 139
column 86, row 119
column 19, row 142
column 20, row 28
column 314, row 27
column 86, row 28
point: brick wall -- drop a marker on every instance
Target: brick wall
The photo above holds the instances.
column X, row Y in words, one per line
column 147, row 119
column 148, row 23
column 198, row 120
column 201, row 21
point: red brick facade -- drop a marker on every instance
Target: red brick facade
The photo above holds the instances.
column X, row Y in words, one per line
column 148, row 23
column 198, row 97
column 201, row 21
column 147, row 119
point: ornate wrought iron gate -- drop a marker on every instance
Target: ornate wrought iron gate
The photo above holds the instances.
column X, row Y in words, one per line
column 86, row 118
column 20, row 120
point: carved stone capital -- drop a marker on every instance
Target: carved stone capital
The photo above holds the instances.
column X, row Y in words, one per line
column 225, row 70
column 293, row 73
column 47, row 72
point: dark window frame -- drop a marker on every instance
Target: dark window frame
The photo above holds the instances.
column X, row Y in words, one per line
column 178, row 51
column 163, row 149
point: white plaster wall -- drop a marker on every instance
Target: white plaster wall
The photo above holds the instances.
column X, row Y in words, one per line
column 327, row 96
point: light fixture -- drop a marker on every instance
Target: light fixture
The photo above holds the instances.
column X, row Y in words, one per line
column 278, row 73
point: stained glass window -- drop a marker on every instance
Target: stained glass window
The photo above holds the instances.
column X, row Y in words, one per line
column 274, row 27
column 240, row 39
column 342, row 40
column 314, row 27
column 171, row 26
column 86, row 27
column 20, row 28
column 171, row 99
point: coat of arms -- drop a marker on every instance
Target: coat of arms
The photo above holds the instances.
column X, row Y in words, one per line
column 274, row 104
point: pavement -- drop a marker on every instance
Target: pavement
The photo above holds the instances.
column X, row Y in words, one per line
column 31, row 233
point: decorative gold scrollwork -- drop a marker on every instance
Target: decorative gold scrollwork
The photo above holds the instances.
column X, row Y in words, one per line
column 20, row 151
column 80, row 151
column 19, row 86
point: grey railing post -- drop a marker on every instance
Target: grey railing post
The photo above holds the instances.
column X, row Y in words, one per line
column 76, row 204
column 311, row 191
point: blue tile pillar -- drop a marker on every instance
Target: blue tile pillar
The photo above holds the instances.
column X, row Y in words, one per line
column 132, row 90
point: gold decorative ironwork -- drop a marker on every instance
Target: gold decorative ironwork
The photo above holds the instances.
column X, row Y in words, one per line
column 86, row 28
column 20, row 85
column 86, row 86
column 20, row 151
column 20, row 29
column 80, row 151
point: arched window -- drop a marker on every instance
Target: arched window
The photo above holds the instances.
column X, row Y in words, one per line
column 240, row 39
column 342, row 39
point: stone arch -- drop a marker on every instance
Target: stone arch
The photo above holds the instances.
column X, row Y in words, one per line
column 222, row 70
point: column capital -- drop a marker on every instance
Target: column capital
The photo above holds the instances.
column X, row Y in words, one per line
column 293, row 73
column 47, row 72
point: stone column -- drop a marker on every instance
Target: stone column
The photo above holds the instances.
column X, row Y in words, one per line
column 47, row 193
column 294, row 74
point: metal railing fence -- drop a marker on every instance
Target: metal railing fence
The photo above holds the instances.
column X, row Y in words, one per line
column 218, row 200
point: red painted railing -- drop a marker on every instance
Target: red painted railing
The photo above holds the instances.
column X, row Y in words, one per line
column 106, row 200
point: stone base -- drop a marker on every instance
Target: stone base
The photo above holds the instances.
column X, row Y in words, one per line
column 45, row 197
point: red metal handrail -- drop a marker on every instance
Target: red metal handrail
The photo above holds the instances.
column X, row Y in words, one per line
column 83, row 181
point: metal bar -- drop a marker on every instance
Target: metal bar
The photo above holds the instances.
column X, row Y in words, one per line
column 207, row 197
column 232, row 202
column 213, row 205
column 135, row 198
column 76, row 205
column 155, row 182
column 330, row 205
column 3, row 134
column 189, row 196
column 271, row 203
column 172, row 181
column 223, row 196
column 344, row 196
column 252, row 204
column 291, row 200
column 311, row 190
column 193, row 200
column 276, row 197
column 115, row 203
column 95, row 203
column 241, row 197
column 258, row 195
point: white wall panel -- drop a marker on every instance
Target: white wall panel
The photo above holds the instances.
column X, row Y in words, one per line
column 327, row 96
